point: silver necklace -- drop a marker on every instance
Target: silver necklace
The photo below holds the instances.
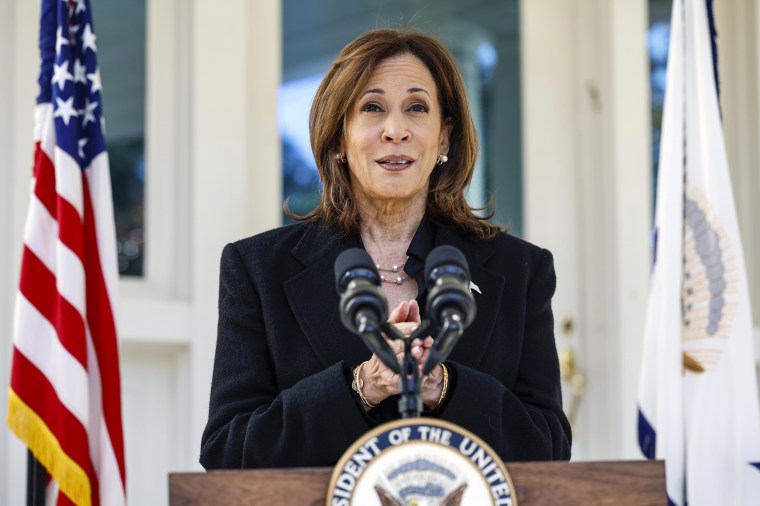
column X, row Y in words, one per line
column 395, row 268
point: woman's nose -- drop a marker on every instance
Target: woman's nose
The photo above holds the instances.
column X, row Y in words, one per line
column 396, row 129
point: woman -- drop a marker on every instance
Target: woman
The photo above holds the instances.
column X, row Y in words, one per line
column 395, row 147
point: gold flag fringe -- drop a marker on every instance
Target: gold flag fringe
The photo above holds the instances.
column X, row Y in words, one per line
column 34, row 433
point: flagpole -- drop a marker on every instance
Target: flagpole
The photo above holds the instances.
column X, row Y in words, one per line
column 35, row 481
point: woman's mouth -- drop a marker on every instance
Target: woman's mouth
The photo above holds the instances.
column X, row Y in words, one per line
column 395, row 163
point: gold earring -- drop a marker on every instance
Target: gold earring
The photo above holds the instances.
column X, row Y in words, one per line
column 340, row 157
column 442, row 159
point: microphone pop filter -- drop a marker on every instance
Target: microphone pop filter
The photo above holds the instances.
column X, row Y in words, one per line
column 350, row 260
column 445, row 255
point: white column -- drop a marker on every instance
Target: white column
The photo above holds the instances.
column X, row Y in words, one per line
column 19, row 59
column 631, row 161
column 236, row 186
column 738, row 25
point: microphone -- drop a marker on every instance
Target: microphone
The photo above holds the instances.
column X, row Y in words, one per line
column 363, row 306
column 450, row 304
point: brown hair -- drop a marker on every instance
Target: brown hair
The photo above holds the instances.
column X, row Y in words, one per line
column 342, row 86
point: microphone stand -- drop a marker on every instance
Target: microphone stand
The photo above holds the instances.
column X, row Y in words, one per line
column 447, row 337
column 371, row 334
column 409, row 404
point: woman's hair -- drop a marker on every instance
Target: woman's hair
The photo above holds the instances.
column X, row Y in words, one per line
column 339, row 90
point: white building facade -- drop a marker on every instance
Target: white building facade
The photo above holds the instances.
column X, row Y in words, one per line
column 214, row 176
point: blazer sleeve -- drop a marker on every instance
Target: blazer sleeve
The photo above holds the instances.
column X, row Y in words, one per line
column 526, row 421
column 254, row 423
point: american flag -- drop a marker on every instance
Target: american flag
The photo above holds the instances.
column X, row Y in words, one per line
column 65, row 394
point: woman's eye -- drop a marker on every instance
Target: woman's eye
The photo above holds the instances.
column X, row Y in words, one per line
column 418, row 107
column 371, row 107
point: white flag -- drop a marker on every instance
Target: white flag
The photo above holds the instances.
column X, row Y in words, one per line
column 698, row 399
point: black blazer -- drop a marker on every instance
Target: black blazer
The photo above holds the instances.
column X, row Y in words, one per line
column 281, row 389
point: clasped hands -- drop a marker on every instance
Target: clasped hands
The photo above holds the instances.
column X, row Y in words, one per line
column 380, row 382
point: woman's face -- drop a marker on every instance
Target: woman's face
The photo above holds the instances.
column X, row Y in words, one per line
column 394, row 132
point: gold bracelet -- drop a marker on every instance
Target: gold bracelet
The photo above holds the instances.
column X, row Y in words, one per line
column 445, row 384
column 358, row 384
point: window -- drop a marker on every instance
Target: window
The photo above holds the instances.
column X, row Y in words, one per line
column 301, row 185
column 120, row 29
column 658, row 39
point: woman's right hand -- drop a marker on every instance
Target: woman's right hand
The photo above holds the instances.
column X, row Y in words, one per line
column 379, row 381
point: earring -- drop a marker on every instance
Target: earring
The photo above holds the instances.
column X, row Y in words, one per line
column 340, row 157
column 442, row 159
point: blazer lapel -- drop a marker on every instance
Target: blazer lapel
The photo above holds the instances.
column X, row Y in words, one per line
column 474, row 342
column 314, row 299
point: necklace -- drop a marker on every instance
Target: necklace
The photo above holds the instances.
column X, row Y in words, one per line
column 399, row 280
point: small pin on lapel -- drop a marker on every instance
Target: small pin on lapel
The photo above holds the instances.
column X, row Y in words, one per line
column 474, row 287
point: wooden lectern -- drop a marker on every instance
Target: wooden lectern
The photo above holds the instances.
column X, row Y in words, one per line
column 536, row 483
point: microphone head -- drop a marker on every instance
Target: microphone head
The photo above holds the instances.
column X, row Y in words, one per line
column 358, row 283
column 352, row 264
column 446, row 256
column 448, row 279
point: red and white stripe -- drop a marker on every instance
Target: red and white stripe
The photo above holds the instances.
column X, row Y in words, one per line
column 65, row 379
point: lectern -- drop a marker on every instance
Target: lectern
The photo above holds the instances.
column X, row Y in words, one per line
column 536, row 483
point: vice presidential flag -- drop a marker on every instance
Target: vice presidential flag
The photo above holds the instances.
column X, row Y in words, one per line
column 698, row 399
column 64, row 399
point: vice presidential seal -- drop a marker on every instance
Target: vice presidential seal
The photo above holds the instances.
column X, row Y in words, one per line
column 420, row 461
